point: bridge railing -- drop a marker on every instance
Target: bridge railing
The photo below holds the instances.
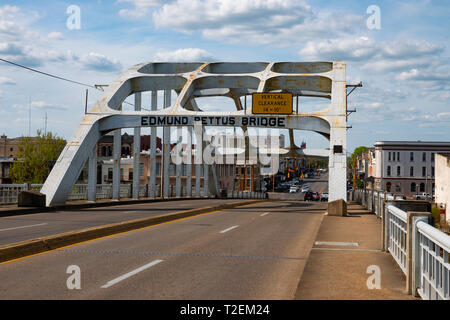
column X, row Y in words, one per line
column 432, row 262
column 373, row 199
column 9, row 193
column 421, row 251
column 396, row 232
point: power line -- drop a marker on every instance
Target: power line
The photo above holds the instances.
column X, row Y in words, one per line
column 97, row 87
column 47, row 74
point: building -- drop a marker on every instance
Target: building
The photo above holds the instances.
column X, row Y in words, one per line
column 406, row 167
column 9, row 147
column 5, row 164
column 106, row 143
column 365, row 166
column 231, row 176
column 443, row 182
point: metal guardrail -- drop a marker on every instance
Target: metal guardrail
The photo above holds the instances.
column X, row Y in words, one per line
column 433, row 260
column 428, row 250
column 9, row 193
column 396, row 231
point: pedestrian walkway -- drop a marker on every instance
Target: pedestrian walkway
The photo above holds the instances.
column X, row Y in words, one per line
column 344, row 249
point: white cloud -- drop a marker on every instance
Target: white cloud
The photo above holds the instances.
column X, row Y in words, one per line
column 355, row 49
column 276, row 22
column 141, row 8
column 4, row 80
column 31, row 49
column 98, row 62
column 46, row 106
column 443, row 116
column 372, row 105
column 55, row 35
column 430, row 74
column 185, row 55
column 377, row 54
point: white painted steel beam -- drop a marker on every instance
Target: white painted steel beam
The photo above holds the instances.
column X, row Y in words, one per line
column 191, row 80
column 152, row 178
column 166, row 149
column 178, row 167
column 92, row 176
column 189, row 162
column 117, row 151
column 136, row 148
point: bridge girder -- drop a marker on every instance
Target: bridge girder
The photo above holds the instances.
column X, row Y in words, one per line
column 227, row 79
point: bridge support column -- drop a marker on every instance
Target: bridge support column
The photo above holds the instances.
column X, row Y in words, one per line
column 206, row 179
column 179, row 166
column 117, row 150
column 189, row 163
column 92, row 176
column 166, row 149
column 198, row 131
column 338, row 135
column 136, row 148
column 153, row 131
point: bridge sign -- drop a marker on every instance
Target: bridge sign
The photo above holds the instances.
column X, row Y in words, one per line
column 272, row 103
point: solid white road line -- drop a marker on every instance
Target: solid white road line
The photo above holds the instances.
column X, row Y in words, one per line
column 333, row 243
column 130, row 274
column 29, row 226
column 230, row 228
column 263, row 214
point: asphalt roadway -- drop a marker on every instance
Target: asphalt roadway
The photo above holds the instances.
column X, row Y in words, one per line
column 30, row 226
column 316, row 184
column 256, row 251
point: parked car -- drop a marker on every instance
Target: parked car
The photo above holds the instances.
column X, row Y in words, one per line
column 423, row 196
column 308, row 196
column 282, row 188
column 315, row 196
column 324, row 196
column 293, row 189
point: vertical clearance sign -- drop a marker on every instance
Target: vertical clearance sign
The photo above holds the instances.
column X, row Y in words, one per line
column 272, row 103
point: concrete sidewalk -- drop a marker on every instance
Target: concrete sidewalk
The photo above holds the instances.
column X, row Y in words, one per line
column 337, row 265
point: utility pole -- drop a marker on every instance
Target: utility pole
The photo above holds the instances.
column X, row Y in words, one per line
column 29, row 117
column 45, row 123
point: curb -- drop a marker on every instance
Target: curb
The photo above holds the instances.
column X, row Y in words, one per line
column 23, row 210
column 35, row 246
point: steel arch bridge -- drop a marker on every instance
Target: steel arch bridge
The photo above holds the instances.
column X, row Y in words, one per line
column 204, row 79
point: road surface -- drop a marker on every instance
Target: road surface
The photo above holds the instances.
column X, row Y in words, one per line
column 253, row 252
column 25, row 227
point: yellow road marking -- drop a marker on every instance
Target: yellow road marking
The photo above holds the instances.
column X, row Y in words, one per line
column 111, row 235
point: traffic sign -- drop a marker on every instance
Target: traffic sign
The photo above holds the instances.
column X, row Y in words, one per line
column 272, row 103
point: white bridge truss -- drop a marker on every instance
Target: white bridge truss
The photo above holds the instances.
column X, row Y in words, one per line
column 192, row 80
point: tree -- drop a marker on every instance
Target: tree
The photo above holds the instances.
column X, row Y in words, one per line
column 357, row 151
column 318, row 163
column 35, row 158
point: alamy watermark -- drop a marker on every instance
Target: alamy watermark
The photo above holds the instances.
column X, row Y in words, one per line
column 74, row 280
column 73, row 22
column 374, row 20
column 226, row 147
column 374, row 280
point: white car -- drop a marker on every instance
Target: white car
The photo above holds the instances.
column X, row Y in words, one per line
column 305, row 188
column 293, row 189
column 423, row 196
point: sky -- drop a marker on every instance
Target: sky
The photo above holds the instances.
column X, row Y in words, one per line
column 397, row 49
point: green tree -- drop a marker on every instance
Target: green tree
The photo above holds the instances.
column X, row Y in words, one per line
column 357, row 151
column 36, row 157
column 318, row 163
